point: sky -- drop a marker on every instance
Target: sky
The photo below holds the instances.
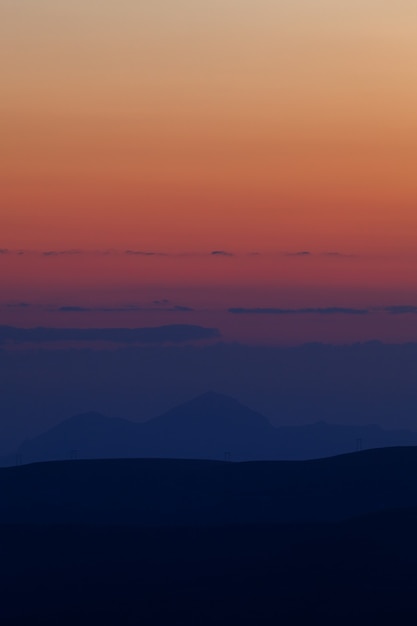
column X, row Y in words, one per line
column 246, row 167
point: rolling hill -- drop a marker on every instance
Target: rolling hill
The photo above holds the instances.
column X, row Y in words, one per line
column 157, row 492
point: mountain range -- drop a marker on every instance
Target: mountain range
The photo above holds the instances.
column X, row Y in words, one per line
column 211, row 426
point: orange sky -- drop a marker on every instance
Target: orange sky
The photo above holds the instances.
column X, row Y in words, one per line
column 192, row 126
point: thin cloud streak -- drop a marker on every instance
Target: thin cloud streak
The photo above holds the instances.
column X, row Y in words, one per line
column 138, row 253
column 122, row 309
column 302, row 311
column 404, row 309
column 54, row 253
column 145, row 253
column 165, row 306
column 338, row 255
column 221, row 253
column 18, row 305
column 301, row 253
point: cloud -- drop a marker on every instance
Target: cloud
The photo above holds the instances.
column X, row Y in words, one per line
column 70, row 308
column 221, row 253
column 331, row 254
column 143, row 253
column 303, row 311
column 53, row 253
column 74, row 309
column 179, row 308
column 18, row 305
column 122, row 309
column 176, row 333
column 400, row 309
column 338, row 255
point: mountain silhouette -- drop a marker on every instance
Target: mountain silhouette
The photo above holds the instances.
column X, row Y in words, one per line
column 210, row 426
column 89, row 435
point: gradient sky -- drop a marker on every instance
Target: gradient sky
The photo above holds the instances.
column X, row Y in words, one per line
column 191, row 127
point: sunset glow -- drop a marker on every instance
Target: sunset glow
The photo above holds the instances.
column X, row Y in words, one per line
column 188, row 128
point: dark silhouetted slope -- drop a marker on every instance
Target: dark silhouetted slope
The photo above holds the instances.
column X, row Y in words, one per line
column 362, row 572
column 167, row 492
column 321, row 439
column 156, row 542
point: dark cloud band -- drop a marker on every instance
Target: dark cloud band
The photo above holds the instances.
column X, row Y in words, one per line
column 123, row 309
column 400, row 309
column 221, row 253
column 303, row 311
column 216, row 252
column 52, row 253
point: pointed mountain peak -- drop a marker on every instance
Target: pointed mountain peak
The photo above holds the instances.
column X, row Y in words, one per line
column 213, row 411
column 214, row 399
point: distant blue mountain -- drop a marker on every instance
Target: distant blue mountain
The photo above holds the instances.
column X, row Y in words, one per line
column 90, row 435
column 211, row 426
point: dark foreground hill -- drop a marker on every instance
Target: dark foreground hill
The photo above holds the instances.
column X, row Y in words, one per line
column 200, row 543
column 179, row 492
column 208, row 427
column 361, row 572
